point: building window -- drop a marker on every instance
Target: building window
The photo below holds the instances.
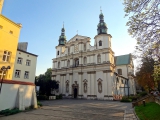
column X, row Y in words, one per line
column 76, row 62
column 1, row 26
column 6, row 56
column 119, row 71
column 3, row 74
column 122, row 81
column 17, row 73
column 28, row 62
column 68, row 50
column 11, row 32
column 99, row 58
column 26, row 75
column 58, row 64
column 19, row 60
column 85, row 60
column 67, row 87
column 57, row 52
column 100, row 43
column 100, row 87
column 85, row 87
column 84, row 47
column 68, row 63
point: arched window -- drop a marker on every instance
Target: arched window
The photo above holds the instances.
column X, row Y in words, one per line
column 76, row 62
column 68, row 50
column 100, row 87
column 58, row 64
column 85, row 61
column 100, row 43
column 67, row 86
column 99, row 59
column 85, row 87
column 68, row 63
column 84, row 47
column 57, row 52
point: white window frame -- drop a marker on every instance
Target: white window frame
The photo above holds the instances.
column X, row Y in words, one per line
column 26, row 75
column 6, row 56
column 28, row 62
column 99, row 59
column 17, row 73
column 19, row 60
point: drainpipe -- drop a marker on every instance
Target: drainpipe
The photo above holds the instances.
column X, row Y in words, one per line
column 127, row 81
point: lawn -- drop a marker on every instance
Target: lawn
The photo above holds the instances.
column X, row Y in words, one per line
column 150, row 112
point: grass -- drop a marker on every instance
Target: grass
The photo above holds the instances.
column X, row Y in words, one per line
column 150, row 112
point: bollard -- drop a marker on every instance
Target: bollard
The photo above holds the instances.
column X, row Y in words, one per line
column 144, row 103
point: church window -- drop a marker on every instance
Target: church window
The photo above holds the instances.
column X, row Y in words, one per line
column 68, row 50
column 85, row 61
column 122, row 81
column 99, row 59
column 67, row 87
column 85, row 87
column 119, row 71
column 84, row 47
column 68, row 63
column 58, row 64
column 100, row 43
column 76, row 62
column 99, row 87
column 57, row 52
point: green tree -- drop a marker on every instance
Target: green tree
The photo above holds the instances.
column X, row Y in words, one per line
column 144, row 75
column 144, row 24
column 45, row 82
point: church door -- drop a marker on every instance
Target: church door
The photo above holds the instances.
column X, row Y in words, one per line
column 75, row 92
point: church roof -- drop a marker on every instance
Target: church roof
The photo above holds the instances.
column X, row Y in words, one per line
column 123, row 59
column 76, row 37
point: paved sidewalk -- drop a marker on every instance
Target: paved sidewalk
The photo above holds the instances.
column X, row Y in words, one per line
column 129, row 114
column 75, row 109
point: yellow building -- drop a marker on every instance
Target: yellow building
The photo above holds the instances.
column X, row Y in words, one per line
column 9, row 36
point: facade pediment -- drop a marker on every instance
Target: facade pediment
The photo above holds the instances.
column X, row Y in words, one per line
column 76, row 38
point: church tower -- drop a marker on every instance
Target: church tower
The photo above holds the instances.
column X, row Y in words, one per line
column 1, row 6
column 62, row 41
column 62, row 37
column 102, row 27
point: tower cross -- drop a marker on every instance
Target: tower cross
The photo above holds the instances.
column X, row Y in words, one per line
column 100, row 9
column 77, row 32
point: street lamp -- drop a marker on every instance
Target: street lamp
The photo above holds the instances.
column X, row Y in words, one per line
column 3, row 70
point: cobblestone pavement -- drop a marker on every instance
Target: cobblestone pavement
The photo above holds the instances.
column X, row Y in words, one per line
column 75, row 109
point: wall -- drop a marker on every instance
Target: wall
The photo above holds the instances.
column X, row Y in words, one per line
column 23, row 67
column 9, row 97
column 8, row 42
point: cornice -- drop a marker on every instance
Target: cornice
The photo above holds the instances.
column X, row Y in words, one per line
column 17, row 25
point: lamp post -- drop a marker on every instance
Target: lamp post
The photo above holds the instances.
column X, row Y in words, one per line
column 3, row 70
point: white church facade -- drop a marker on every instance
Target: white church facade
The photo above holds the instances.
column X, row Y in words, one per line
column 92, row 72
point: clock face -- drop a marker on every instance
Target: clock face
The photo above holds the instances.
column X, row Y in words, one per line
column 76, row 48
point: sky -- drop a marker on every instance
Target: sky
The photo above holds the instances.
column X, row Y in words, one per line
column 42, row 21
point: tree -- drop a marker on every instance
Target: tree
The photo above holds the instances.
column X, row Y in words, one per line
column 144, row 25
column 156, row 76
column 45, row 82
column 144, row 75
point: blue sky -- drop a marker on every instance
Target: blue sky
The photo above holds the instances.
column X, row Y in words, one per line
column 42, row 21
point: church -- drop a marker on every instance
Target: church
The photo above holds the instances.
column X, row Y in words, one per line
column 92, row 72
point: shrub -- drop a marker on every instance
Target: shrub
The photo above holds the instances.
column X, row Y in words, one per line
column 39, row 104
column 9, row 112
column 144, row 93
column 60, row 96
column 42, row 97
column 57, row 96
column 127, row 99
